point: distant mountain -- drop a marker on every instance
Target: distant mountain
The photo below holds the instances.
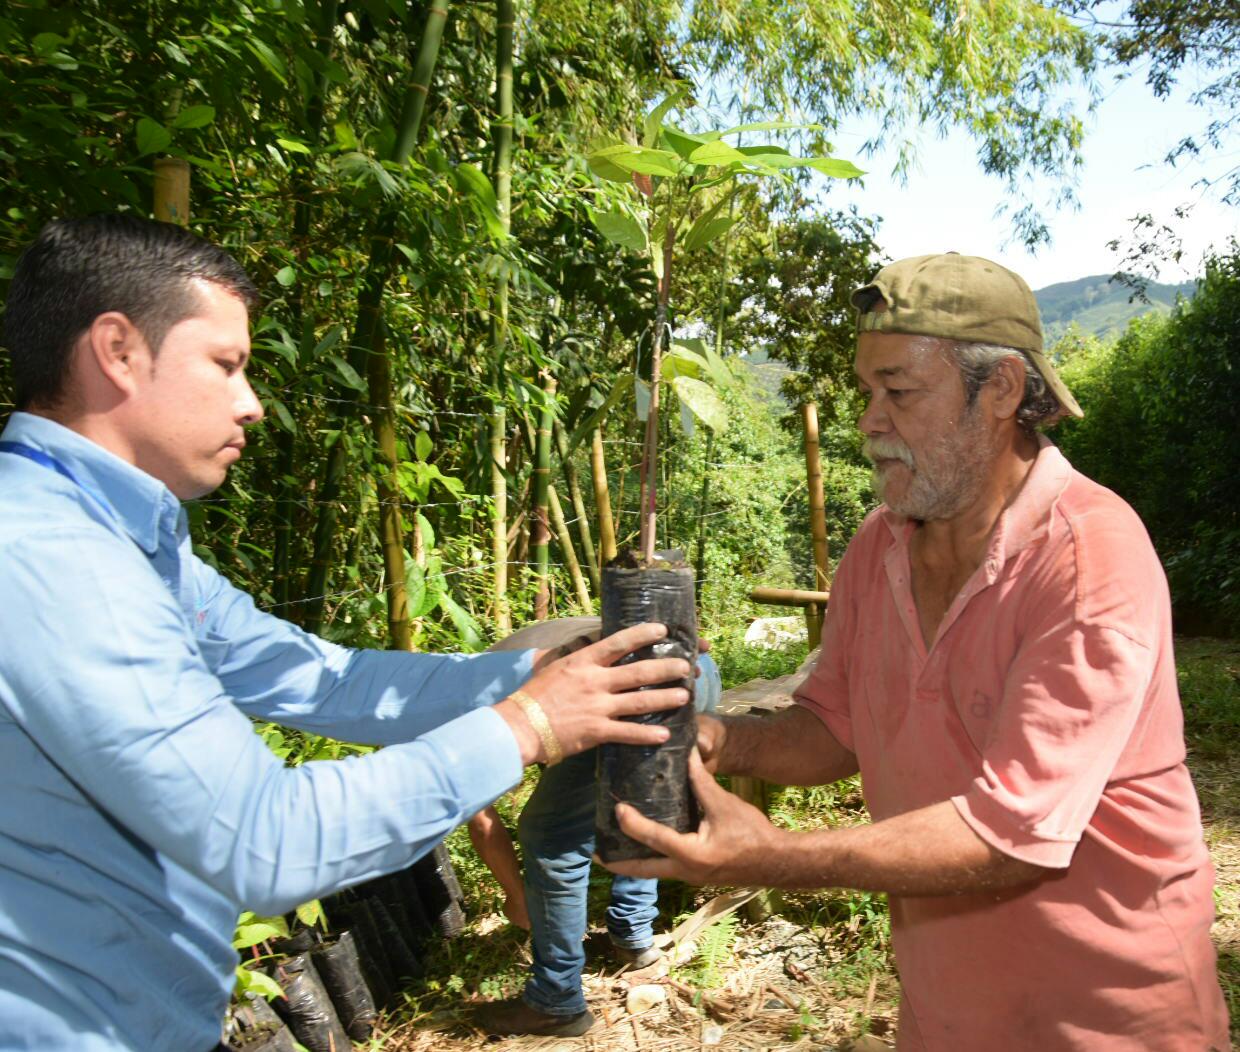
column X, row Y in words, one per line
column 1100, row 306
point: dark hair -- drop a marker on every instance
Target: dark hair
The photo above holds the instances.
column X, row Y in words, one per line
column 77, row 269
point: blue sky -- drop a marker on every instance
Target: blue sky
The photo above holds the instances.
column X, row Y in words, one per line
column 949, row 204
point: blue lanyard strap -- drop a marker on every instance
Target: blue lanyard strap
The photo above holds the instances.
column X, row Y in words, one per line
column 48, row 461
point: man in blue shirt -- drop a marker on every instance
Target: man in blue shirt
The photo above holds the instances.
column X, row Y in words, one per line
column 139, row 813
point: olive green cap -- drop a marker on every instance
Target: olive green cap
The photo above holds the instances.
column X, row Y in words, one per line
column 964, row 298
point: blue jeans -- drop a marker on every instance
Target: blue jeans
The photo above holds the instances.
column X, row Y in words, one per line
column 556, row 832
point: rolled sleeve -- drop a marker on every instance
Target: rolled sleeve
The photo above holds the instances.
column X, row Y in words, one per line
column 1070, row 704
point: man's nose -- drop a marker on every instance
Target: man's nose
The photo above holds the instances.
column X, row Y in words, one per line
column 873, row 419
column 249, row 408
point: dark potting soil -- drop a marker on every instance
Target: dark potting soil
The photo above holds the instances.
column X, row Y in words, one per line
column 654, row 779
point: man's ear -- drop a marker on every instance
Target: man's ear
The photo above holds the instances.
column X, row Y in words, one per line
column 1007, row 386
column 113, row 353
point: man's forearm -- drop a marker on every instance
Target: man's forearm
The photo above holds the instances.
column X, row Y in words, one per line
column 792, row 747
column 931, row 851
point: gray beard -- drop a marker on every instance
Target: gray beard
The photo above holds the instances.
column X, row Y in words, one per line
column 945, row 478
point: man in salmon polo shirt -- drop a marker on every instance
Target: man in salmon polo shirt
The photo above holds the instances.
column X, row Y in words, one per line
column 997, row 663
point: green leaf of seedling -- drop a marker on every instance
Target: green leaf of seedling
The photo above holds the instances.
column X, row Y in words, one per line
column 641, row 159
column 194, row 117
column 653, row 123
column 686, row 420
column 717, row 153
column 249, row 980
column 707, row 406
column 261, row 929
column 681, row 362
column 311, row 914
column 286, row 276
column 835, row 168
column 641, row 392
column 606, row 169
column 683, row 142
column 693, row 238
column 152, row 136
column 717, row 368
column 422, row 445
column 621, row 228
column 703, row 236
column 347, row 374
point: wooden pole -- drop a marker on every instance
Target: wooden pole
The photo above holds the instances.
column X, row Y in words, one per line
column 602, row 501
column 172, row 190
column 817, row 519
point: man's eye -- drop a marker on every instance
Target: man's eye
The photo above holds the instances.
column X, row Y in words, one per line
column 897, row 392
column 227, row 366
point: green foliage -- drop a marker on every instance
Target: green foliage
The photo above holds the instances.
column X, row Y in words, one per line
column 1162, row 428
column 710, row 965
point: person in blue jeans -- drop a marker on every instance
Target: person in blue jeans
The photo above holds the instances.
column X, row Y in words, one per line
column 556, row 832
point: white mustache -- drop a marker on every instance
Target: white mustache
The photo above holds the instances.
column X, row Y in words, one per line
column 876, row 449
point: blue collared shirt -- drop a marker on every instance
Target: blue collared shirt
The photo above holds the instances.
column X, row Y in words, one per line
column 139, row 812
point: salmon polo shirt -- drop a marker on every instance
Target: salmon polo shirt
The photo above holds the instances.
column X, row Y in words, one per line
column 1046, row 711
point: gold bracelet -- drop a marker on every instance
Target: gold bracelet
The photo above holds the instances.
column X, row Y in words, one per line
column 542, row 726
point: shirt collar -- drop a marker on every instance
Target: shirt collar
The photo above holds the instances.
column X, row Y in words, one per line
column 1025, row 521
column 142, row 504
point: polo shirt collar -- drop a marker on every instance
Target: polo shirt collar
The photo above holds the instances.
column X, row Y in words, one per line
column 1024, row 522
column 142, row 505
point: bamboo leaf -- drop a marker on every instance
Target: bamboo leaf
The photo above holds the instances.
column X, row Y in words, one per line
column 471, row 180
column 622, row 386
column 707, row 406
column 347, row 374
column 768, row 126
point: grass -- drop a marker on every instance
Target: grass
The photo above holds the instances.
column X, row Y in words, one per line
column 845, row 934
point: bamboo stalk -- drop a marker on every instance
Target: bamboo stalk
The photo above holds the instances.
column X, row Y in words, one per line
column 540, row 541
column 788, row 596
column 172, row 190
column 579, row 505
column 570, row 554
column 303, row 319
column 602, row 499
column 391, row 529
column 501, row 131
column 369, row 302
